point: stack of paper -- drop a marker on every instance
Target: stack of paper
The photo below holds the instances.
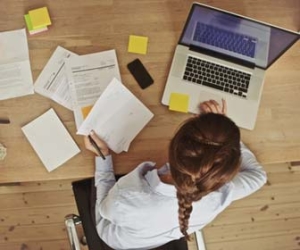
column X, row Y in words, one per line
column 37, row 20
column 91, row 86
column 88, row 76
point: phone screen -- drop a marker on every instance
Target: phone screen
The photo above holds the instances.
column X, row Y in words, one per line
column 140, row 73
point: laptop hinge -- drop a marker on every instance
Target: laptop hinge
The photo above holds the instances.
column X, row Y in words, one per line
column 222, row 56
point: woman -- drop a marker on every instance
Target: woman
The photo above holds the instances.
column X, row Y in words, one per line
column 208, row 169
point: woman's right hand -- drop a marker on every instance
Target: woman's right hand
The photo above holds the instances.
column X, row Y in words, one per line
column 100, row 143
column 213, row 106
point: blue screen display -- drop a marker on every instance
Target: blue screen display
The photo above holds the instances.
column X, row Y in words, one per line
column 236, row 36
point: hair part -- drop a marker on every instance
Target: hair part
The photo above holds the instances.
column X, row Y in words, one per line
column 204, row 154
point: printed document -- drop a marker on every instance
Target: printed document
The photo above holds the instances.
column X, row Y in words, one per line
column 15, row 71
column 52, row 81
column 50, row 140
column 88, row 76
column 117, row 117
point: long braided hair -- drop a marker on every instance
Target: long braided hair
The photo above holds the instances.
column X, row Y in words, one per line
column 204, row 154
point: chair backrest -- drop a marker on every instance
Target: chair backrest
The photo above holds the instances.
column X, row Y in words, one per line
column 85, row 197
column 84, row 192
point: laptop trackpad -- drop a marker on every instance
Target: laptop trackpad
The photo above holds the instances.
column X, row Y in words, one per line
column 202, row 97
column 206, row 96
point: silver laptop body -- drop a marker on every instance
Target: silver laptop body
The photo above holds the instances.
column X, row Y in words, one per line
column 222, row 55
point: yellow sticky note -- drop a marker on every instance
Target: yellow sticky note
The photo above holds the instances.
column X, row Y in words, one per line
column 39, row 18
column 32, row 31
column 138, row 44
column 85, row 111
column 179, row 102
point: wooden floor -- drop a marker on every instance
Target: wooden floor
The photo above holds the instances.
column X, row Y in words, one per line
column 32, row 216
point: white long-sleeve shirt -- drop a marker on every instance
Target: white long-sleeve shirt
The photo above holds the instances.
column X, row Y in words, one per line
column 141, row 212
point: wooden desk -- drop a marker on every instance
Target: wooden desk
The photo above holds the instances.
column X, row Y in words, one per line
column 92, row 26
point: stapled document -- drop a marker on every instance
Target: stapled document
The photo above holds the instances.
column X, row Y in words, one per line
column 52, row 81
column 15, row 71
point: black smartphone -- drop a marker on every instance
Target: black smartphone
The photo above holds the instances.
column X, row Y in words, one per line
column 140, row 73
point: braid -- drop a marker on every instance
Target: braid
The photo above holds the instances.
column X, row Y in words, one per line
column 204, row 154
column 184, row 212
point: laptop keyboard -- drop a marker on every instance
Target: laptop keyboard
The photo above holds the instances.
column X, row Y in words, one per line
column 216, row 76
column 228, row 40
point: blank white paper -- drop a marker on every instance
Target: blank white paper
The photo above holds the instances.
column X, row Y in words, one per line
column 50, row 140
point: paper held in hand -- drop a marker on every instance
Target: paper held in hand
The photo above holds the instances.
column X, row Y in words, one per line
column 117, row 117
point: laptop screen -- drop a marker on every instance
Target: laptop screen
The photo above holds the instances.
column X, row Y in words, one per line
column 235, row 36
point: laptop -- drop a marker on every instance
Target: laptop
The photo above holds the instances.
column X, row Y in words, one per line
column 222, row 55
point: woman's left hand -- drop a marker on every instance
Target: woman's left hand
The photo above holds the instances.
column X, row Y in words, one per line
column 213, row 106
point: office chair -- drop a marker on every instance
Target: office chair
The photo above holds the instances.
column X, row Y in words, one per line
column 85, row 197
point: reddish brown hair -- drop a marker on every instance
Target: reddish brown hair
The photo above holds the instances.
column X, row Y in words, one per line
column 204, row 154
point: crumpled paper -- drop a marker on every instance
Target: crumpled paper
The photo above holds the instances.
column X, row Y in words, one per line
column 2, row 152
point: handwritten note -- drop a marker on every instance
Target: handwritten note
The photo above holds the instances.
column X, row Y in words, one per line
column 117, row 117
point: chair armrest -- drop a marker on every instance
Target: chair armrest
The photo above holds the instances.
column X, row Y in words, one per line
column 70, row 221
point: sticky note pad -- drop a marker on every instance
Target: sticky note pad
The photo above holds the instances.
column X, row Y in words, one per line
column 28, row 22
column 179, row 102
column 30, row 28
column 138, row 44
column 39, row 18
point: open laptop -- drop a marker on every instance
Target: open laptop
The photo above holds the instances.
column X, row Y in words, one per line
column 222, row 55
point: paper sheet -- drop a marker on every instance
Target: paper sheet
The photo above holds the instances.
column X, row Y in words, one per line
column 52, row 81
column 88, row 76
column 117, row 117
column 15, row 71
column 50, row 140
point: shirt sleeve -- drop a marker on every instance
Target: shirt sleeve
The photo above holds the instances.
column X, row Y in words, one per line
column 104, row 182
column 104, row 177
column 251, row 176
